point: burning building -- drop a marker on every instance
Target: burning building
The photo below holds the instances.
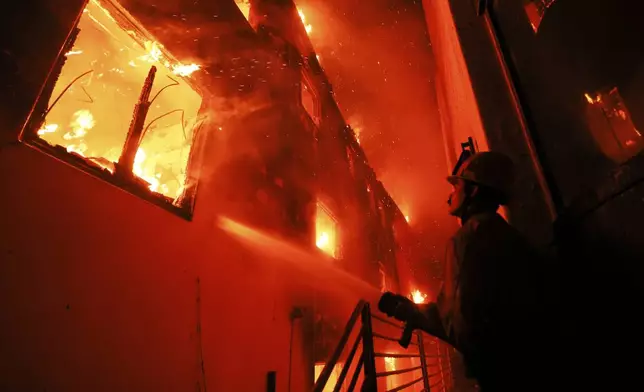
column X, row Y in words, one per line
column 139, row 143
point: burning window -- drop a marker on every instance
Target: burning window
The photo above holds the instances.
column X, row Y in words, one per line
column 326, row 231
column 309, row 102
column 536, row 9
column 611, row 125
column 114, row 66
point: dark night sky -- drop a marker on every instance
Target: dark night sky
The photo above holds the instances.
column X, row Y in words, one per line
column 378, row 57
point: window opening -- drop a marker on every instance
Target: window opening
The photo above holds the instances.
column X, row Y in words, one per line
column 326, row 231
column 611, row 125
column 122, row 103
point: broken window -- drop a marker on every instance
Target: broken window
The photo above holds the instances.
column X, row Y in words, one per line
column 326, row 231
column 122, row 105
column 611, row 125
column 309, row 102
column 536, row 9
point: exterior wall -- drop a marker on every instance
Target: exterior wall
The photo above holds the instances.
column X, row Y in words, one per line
column 103, row 290
column 475, row 101
column 537, row 79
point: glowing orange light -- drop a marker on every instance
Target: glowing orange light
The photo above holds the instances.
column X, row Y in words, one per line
column 244, row 7
column 326, row 231
column 323, row 240
column 418, row 297
column 93, row 111
column 307, row 26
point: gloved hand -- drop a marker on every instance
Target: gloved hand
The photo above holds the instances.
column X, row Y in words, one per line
column 415, row 316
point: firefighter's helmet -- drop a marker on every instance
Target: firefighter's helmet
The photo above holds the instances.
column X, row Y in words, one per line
column 490, row 169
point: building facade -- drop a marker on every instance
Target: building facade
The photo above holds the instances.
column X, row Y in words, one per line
column 183, row 204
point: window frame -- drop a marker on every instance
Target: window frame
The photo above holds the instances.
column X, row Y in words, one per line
column 337, row 252
column 29, row 134
column 306, row 83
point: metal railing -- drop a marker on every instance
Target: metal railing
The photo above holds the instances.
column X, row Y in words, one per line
column 427, row 369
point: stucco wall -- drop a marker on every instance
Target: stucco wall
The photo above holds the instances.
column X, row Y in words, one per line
column 99, row 291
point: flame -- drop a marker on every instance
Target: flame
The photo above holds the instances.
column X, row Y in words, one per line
column 326, row 231
column 185, row 70
column 50, row 128
column 98, row 107
column 145, row 169
column 153, row 54
column 244, row 7
column 82, row 121
column 592, row 100
column 307, row 26
column 323, row 240
column 418, row 297
column 405, row 213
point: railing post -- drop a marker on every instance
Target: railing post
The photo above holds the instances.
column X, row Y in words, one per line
column 440, row 363
column 423, row 360
column 370, row 383
column 449, row 350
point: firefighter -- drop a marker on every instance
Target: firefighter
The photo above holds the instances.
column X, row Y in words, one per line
column 491, row 304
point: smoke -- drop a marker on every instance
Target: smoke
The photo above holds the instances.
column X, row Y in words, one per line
column 379, row 59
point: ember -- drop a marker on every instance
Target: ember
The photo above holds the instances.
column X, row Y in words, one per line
column 93, row 100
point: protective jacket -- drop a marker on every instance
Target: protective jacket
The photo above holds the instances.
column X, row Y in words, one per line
column 491, row 304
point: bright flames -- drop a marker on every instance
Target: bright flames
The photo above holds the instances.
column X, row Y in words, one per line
column 307, row 26
column 99, row 86
column 244, row 7
column 325, row 231
column 418, row 297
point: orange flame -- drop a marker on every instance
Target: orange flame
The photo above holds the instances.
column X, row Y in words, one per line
column 307, row 26
column 92, row 112
column 418, row 297
column 325, row 231
column 244, row 7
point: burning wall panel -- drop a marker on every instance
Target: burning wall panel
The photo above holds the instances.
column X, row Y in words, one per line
column 94, row 97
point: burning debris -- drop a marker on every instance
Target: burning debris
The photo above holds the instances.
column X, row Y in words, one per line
column 100, row 83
